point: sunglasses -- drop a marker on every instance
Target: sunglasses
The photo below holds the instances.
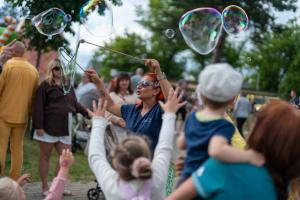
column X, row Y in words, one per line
column 56, row 68
column 145, row 84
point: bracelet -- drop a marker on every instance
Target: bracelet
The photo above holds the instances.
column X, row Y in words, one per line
column 161, row 77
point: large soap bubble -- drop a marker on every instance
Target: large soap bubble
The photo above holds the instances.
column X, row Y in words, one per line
column 67, row 63
column 201, row 29
column 235, row 20
column 51, row 22
column 97, row 18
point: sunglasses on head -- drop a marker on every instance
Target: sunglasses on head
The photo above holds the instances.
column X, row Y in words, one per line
column 57, row 68
column 145, row 83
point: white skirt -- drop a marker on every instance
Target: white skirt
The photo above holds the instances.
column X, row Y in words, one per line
column 52, row 139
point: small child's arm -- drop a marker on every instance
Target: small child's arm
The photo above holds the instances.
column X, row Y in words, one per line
column 220, row 149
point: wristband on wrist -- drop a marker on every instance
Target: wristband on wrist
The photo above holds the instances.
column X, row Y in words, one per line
column 161, row 77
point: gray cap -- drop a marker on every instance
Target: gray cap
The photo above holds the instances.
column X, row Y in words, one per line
column 220, row 82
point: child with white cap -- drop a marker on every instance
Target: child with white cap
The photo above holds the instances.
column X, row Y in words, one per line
column 207, row 132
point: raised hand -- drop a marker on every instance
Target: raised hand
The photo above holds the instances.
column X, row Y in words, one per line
column 172, row 105
column 25, row 178
column 66, row 159
column 98, row 111
column 153, row 65
column 92, row 74
column 179, row 164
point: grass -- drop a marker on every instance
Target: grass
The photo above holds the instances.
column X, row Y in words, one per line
column 80, row 170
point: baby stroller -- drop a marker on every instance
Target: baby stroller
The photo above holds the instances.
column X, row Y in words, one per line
column 110, row 141
column 83, row 126
column 81, row 134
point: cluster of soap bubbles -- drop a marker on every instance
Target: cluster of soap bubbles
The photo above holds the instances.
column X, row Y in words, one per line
column 95, row 15
column 201, row 28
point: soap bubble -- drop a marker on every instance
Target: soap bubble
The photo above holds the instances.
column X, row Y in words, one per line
column 97, row 18
column 235, row 19
column 51, row 22
column 201, row 29
column 169, row 33
column 67, row 63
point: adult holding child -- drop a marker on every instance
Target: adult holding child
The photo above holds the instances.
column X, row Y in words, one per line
column 51, row 119
column 145, row 117
column 219, row 84
column 275, row 135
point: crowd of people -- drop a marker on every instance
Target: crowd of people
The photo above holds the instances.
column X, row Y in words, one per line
column 220, row 161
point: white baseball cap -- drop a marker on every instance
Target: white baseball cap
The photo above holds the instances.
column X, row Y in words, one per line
column 220, row 82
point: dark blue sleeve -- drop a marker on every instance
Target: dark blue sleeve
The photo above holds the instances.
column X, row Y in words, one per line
column 226, row 130
column 126, row 109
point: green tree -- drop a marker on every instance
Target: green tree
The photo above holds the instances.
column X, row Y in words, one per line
column 33, row 7
column 277, row 60
column 166, row 14
column 133, row 44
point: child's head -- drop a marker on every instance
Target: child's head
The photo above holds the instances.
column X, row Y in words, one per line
column 219, row 84
column 276, row 135
column 10, row 190
column 131, row 158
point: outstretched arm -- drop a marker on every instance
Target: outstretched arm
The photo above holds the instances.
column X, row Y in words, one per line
column 163, row 151
column 57, row 187
column 221, row 150
column 154, row 67
column 111, row 106
column 106, row 176
column 186, row 191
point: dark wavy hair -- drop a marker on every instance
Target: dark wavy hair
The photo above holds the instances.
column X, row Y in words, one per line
column 276, row 135
column 123, row 76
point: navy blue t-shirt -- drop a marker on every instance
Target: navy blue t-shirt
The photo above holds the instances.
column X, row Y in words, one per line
column 148, row 125
column 197, row 137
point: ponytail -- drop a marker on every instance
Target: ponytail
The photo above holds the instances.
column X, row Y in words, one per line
column 141, row 168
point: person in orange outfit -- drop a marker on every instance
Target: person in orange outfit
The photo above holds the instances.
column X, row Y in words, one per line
column 18, row 83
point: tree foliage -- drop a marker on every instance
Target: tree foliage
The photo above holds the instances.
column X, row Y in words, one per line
column 34, row 7
column 131, row 44
column 277, row 59
column 166, row 14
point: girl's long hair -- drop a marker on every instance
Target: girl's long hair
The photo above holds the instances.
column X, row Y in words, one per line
column 276, row 134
